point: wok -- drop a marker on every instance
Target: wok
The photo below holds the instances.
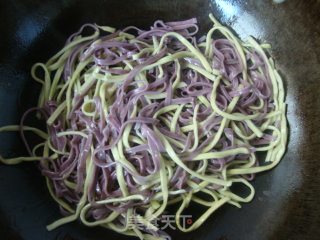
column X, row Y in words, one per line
column 286, row 205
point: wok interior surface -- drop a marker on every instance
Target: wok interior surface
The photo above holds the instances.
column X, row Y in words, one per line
column 286, row 205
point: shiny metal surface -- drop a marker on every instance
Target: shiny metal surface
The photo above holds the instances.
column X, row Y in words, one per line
column 286, row 205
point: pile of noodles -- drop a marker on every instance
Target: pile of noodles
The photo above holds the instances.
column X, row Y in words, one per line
column 141, row 119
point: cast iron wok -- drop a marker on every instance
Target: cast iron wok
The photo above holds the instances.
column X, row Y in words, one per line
column 286, row 205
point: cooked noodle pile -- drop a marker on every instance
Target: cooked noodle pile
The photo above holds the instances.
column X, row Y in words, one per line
column 141, row 119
